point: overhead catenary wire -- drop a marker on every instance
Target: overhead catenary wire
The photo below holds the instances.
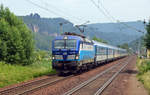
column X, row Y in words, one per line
column 101, row 11
column 118, row 21
column 52, row 11
column 131, row 27
column 61, row 11
column 42, row 7
column 100, row 4
column 107, row 12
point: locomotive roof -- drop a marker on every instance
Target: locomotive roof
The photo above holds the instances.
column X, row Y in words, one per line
column 73, row 37
column 73, row 34
column 68, row 37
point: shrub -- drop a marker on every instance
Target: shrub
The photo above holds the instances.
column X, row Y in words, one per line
column 143, row 66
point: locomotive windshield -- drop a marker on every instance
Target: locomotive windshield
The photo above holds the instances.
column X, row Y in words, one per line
column 70, row 44
column 58, row 44
column 65, row 44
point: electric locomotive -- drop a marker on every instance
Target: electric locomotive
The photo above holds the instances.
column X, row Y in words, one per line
column 70, row 51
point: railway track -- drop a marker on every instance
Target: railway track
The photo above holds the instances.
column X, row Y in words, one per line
column 97, row 84
column 32, row 86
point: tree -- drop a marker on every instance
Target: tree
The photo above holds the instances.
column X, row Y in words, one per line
column 147, row 37
column 124, row 46
column 16, row 40
column 98, row 40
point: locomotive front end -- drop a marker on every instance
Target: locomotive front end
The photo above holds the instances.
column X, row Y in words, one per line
column 65, row 53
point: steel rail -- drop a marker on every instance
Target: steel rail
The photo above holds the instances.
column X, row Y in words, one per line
column 12, row 90
column 46, row 84
column 26, row 84
column 101, row 89
column 30, row 90
column 75, row 89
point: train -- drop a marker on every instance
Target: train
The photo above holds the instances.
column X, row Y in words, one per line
column 74, row 53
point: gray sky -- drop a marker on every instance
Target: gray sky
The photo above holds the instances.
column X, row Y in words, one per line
column 80, row 11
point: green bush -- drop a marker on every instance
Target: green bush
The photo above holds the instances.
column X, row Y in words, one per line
column 144, row 72
column 143, row 66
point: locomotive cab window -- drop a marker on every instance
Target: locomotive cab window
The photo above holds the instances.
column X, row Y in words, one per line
column 59, row 44
column 65, row 44
column 70, row 44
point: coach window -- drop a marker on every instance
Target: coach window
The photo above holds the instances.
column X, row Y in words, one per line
column 84, row 46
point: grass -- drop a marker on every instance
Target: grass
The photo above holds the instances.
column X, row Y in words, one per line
column 144, row 72
column 12, row 74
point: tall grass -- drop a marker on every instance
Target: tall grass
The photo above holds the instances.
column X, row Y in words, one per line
column 143, row 65
column 144, row 72
column 11, row 74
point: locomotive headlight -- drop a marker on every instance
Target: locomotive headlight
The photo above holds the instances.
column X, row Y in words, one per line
column 53, row 57
column 77, row 57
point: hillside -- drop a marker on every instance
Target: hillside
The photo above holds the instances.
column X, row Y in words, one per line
column 47, row 28
column 138, row 44
column 116, row 33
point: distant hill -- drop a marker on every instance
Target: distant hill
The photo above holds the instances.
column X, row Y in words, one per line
column 116, row 33
column 49, row 26
column 45, row 29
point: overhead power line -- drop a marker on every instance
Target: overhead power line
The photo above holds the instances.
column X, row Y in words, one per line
column 111, row 17
column 131, row 27
column 100, row 4
column 105, row 12
column 53, row 12
column 42, row 7
column 100, row 10
column 108, row 13
column 61, row 11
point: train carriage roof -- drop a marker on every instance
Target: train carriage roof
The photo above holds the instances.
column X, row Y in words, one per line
column 107, row 46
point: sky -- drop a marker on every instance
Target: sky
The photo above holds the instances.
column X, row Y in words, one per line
column 81, row 11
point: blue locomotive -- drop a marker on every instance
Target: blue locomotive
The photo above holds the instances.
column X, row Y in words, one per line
column 72, row 53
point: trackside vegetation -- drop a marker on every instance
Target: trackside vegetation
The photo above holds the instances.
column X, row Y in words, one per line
column 12, row 74
column 19, row 60
column 144, row 72
column 144, row 64
column 147, row 38
column 16, row 40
